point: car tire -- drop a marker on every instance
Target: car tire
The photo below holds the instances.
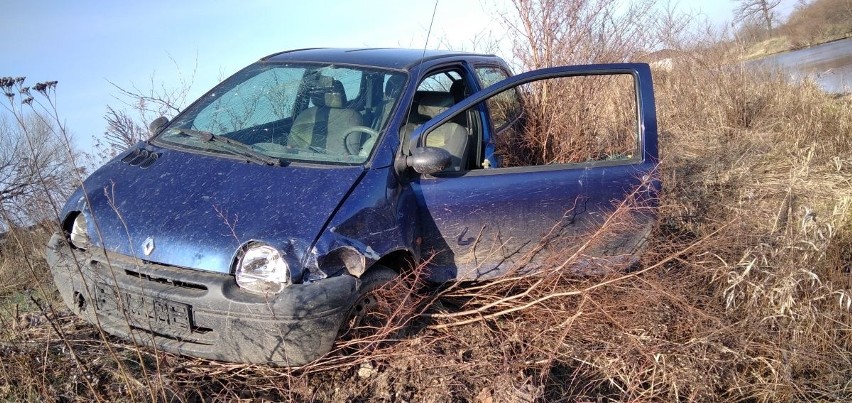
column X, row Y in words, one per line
column 367, row 301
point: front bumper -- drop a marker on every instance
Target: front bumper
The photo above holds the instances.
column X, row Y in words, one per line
column 198, row 313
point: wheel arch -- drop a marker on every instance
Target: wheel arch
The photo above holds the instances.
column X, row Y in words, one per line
column 400, row 260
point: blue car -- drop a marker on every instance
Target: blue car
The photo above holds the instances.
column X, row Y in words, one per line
column 251, row 226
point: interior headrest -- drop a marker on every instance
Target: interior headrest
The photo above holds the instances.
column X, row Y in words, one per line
column 334, row 100
column 332, row 94
column 431, row 103
column 459, row 91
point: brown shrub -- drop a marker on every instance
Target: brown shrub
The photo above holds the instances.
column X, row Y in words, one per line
column 574, row 119
column 743, row 294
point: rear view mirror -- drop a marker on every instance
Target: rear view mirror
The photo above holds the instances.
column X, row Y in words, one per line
column 429, row 160
column 156, row 125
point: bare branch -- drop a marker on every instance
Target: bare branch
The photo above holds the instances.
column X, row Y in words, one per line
column 759, row 11
column 158, row 99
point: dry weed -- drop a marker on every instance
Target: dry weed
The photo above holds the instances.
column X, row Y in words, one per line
column 744, row 293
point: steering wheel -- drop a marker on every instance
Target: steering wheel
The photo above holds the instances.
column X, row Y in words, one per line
column 356, row 144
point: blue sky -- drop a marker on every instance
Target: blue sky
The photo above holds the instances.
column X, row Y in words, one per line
column 85, row 45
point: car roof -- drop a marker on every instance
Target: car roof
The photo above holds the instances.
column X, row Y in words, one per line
column 393, row 58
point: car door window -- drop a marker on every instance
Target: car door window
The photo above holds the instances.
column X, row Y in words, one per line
column 572, row 120
column 505, row 107
column 436, row 93
column 439, row 82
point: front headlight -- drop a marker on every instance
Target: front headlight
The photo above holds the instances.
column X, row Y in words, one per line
column 262, row 269
column 79, row 233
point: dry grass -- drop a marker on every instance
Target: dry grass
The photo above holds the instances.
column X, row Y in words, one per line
column 744, row 294
column 574, row 119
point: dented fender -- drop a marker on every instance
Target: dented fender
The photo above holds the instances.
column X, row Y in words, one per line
column 342, row 254
column 377, row 218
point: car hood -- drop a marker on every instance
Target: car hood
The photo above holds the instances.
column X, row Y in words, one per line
column 195, row 210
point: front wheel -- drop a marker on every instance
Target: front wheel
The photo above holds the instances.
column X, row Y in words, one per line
column 369, row 310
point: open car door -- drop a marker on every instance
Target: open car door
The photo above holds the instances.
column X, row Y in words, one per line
column 567, row 175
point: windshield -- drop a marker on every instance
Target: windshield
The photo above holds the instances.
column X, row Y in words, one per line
column 291, row 112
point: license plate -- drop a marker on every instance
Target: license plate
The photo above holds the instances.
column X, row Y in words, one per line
column 152, row 313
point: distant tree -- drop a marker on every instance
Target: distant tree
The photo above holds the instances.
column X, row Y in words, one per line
column 37, row 170
column 819, row 21
column 761, row 12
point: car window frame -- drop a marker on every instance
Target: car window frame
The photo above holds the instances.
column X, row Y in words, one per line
column 644, row 102
column 465, row 71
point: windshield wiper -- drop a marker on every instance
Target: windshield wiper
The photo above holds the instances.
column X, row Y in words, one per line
column 236, row 147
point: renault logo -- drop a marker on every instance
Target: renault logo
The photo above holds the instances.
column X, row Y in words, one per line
column 148, row 246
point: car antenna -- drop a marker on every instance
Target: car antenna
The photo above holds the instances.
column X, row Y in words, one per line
column 428, row 34
column 422, row 56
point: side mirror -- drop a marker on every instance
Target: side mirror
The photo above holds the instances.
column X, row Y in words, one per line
column 428, row 160
column 156, row 125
